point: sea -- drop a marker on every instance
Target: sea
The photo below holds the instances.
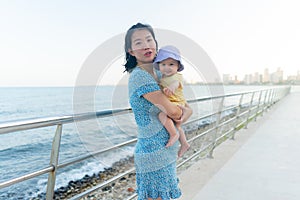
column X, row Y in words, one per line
column 23, row 152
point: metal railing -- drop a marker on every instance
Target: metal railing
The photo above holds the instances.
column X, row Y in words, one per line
column 223, row 124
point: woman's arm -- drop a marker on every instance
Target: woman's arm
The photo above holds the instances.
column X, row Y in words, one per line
column 162, row 102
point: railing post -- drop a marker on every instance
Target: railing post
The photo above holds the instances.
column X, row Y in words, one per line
column 273, row 98
column 220, row 109
column 258, row 104
column 264, row 103
column 279, row 95
column 270, row 97
column 54, row 162
column 237, row 116
column 250, row 107
column 284, row 92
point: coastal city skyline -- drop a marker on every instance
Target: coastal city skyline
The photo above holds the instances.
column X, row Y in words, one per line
column 263, row 77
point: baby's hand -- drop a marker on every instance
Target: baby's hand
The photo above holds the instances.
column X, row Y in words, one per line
column 168, row 91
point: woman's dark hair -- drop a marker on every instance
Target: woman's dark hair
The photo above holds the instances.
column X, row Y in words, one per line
column 131, row 60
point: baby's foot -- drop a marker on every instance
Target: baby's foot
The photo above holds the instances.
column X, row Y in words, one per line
column 183, row 148
column 172, row 140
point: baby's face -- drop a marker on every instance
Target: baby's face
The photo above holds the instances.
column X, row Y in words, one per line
column 168, row 67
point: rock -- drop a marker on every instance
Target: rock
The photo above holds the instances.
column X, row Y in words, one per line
column 130, row 189
column 107, row 188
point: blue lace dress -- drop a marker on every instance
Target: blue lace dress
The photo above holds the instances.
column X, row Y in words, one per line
column 155, row 164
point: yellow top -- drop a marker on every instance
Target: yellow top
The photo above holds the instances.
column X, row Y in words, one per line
column 178, row 96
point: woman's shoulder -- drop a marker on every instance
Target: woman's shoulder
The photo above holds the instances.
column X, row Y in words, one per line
column 139, row 76
column 136, row 72
column 142, row 82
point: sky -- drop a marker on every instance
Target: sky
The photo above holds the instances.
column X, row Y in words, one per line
column 46, row 43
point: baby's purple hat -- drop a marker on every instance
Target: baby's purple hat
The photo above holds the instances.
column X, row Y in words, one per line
column 168, row 52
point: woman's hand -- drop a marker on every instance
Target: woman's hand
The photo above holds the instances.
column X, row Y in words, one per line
column 186, row 113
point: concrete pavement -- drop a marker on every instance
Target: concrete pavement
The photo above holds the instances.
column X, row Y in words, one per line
column 263, row 163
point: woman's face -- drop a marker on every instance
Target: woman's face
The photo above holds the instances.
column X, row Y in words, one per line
column 143, row 46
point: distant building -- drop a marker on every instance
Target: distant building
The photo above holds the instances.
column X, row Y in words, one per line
column 256, row 78
column 291, row 78
column 266, row 76
column 294, row 79
column 227, row 79
column 236, row 80
column 277, row 77
column 248, row 79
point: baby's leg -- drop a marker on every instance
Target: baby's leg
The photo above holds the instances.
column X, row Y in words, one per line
column 182, row 139
column 169, row 125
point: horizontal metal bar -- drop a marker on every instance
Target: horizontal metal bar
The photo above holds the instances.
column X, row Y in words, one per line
column 225, row 95
column 243, row 113
column 198, row 119
column 76, row 160
column 194, row 155
column 226, row 133
column 202, row 134
column 102, row 184
column 26, row 177
column 242, row 123
column 20, row 125
column 230, row 108
column 26, row 124
column 131, row 197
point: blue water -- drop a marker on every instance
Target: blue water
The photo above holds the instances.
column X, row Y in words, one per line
column 25, row 151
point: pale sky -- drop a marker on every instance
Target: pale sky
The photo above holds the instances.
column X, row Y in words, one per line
column 45, row 43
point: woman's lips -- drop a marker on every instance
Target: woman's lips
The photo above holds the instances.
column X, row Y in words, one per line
column 148, row 54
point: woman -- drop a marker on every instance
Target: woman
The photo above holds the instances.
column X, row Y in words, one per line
column 155, row 164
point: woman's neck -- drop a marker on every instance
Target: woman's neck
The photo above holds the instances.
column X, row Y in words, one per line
column 147, row 67
column 150, row 69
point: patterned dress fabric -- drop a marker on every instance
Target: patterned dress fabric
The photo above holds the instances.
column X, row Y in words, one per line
column 155, row 164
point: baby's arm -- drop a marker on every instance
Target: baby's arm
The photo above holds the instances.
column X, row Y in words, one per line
column 170, row 90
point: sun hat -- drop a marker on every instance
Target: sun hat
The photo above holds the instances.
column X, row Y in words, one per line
column 168, row 52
